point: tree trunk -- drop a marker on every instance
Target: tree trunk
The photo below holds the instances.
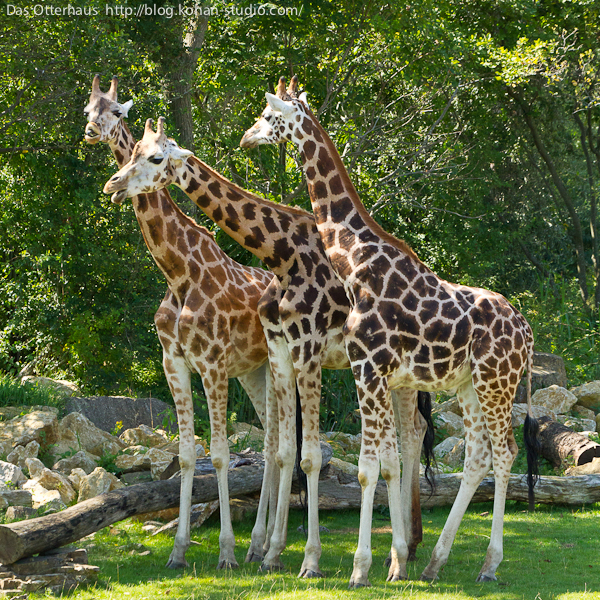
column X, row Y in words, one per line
column 26, row 538
column 577, row 230
column 559, row 442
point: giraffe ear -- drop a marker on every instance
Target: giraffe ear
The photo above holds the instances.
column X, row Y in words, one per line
column 304, row 98
column 278, row 105
column 178, row 155
column 125, row 108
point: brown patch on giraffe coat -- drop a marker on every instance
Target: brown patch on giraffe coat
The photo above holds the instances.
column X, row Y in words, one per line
column 326, row 165
column 155, row 229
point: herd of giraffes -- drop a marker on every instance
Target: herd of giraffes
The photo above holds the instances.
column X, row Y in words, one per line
column 340, row 293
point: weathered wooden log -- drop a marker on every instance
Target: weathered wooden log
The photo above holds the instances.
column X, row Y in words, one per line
column 559, row 442
column 25, row 538
column 572, row 491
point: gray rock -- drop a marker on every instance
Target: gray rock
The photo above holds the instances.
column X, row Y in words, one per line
column 76, row 433
column 519, row 412
column 20, row 513
column 62, row 386
column 81, row 460
column 15, row 498
column 11, row 475
column 143, row 436
column 34, row 467
column 548, row 369
column 96, row 483
column 588, row 395
column 452, row 423
column 555, row 398
column 106, row 411
column 20, row 454
column 38, row 425
column 447, row 406
column 577, row 424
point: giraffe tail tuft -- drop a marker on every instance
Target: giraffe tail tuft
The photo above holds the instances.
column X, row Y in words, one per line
column 531, row 431
column 424, row 406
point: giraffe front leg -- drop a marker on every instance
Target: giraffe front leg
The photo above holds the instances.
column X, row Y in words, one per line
column 309, row 387
column 215, row 388
column 258, row 386
column 178, row 378
column 412, row 427
column 284, row 383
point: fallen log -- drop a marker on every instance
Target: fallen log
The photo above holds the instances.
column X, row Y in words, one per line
column 558, row 442
column 25, row 538
column 336, row 491
column 572, row 491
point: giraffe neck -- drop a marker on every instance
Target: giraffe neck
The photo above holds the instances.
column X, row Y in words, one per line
column 351, row 237
column 122, row 144
column 271, row 231
column 170, row 235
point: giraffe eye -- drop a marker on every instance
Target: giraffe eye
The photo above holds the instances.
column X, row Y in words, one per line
column 116, row 112
column 156, row 160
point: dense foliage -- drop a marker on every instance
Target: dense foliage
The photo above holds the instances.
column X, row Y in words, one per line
column 470, row 129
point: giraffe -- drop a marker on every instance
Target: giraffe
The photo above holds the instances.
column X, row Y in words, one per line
column 207, row 323
column 304, row 308
column 410, row 328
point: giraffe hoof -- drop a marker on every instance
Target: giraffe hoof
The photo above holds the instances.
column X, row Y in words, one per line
column 176, row 564
column 481, row 578
column 387, row 562
column 412, row 556
column 353, row 585
column 396, row 577
column 425, row 577
column 227, row 564
column 254, row 557
column 271, row 568
column 310, row 574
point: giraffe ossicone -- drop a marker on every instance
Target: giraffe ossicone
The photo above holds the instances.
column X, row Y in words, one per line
column 408, row 327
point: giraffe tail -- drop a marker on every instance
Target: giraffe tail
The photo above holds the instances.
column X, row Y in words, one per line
column 302, row 481
column 531, row 431
column 424, row 406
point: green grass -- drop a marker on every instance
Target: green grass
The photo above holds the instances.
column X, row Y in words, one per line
column 551, row 554
column 13, row 393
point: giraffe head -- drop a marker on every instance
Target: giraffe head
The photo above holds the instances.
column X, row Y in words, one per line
column 152, row 166
column 103, row 113
column 284, row 111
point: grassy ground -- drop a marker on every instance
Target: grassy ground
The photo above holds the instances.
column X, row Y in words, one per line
column 552, row 554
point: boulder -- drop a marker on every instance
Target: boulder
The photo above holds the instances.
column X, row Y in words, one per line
column 588, row 395
column 96, row 483
column 347, row 442
column 452, row 423
column 548, row 370
column 581, row 412
column 451, row 451
column 246, row 434
column 343, row 466
column 555, row 398
column 76, row 477
column 11, row 475
column 132, row 463
column 34, row 467
column 38, row 425
column 15, row 498
column 20, row 454
column 159, row 461
column 76, row 432
column 519, row 412
column 143, row 436
column 19, row 513
column 51, row 480
column 80, row 460
column 577, row 424
column 447, row 406
column 106, row 411
column 43, row 499
column 61, row 386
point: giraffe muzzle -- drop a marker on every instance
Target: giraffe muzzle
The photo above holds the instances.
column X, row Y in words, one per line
column 249, row 140
column 92, row 133
column 116, row 185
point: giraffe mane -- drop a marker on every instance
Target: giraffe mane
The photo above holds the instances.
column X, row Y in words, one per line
column 358, row 205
